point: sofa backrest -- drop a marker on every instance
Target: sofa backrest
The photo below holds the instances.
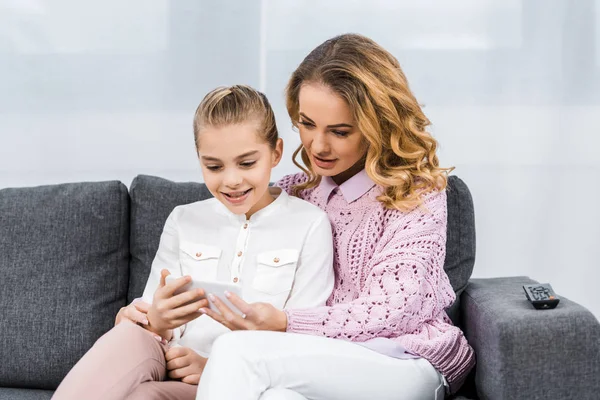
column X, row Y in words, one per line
column 64, row 261
column 152, row 200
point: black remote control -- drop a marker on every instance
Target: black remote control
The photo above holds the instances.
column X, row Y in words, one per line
column 541, row 296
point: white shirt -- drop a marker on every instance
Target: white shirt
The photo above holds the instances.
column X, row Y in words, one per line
column 282, row 255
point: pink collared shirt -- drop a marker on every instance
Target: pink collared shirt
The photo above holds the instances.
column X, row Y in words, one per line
column 390, row 291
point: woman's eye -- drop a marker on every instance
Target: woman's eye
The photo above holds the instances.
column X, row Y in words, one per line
column 341, row 133
column 307, row 124
column 247, row 164
column 213, row 167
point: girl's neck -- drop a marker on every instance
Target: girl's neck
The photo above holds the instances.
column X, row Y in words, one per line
column 266, row 200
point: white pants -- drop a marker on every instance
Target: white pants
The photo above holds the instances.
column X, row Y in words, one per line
column 253, row 365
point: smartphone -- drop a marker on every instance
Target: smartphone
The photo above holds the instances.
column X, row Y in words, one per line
column 215, row 287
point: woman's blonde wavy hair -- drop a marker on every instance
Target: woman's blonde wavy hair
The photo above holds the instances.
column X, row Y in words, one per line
column 401, row 155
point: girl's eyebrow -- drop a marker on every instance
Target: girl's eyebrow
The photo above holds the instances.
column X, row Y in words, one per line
column 248, row 154
column 328, row 126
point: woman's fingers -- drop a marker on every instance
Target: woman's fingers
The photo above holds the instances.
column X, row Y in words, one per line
column 235, row 321
column 240, row 304
column 216, row 316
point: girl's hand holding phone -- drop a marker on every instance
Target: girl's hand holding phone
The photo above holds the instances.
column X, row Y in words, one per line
column 169, row 311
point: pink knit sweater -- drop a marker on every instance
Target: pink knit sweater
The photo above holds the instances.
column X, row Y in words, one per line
column 389, row 277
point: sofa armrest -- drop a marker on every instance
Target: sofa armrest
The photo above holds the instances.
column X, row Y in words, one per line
column 524, row 353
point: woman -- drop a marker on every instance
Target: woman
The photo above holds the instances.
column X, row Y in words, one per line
column 372, row 166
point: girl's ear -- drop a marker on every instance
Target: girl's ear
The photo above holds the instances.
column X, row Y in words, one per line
column 277, row 153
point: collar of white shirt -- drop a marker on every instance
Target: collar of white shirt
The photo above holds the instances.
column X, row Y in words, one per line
column 281, row 200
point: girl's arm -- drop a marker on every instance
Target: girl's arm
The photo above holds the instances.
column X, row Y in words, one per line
column 167, row 257
column 314, row 277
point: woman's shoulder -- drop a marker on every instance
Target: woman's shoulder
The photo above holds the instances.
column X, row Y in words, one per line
column 433, row 208
column 289, row 181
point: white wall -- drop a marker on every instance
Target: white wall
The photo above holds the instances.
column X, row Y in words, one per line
column 107, row 90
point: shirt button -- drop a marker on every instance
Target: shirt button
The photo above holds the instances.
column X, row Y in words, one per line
column 276, row 260
column 239, row 254
column 245, row 226
column 198, row 254
column 235, row 280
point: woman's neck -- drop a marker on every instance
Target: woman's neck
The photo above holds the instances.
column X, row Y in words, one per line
column 349, row 173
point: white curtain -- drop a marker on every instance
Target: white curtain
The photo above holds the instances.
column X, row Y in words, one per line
column 107, row 89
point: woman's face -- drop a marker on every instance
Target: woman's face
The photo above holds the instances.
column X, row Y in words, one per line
column 329, row 133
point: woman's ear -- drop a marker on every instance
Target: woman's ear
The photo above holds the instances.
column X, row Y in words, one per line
column 277, row 153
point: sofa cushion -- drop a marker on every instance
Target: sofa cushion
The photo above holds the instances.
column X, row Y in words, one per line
column 25, row 394
column 152, row 200
column 64, row 252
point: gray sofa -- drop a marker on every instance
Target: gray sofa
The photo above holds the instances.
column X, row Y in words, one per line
column 71, row 255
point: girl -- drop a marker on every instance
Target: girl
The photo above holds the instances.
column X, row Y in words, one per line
column 277, row 248
column 372, row 166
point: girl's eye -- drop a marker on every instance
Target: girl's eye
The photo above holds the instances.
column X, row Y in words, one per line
column 213, row 167
column 341, row 133
column 247, row 164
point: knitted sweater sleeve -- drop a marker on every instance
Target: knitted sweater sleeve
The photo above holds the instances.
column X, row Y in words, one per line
column 288, row 182
column 404, row 283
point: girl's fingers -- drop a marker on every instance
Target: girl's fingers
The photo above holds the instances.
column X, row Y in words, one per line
column 185, row 298
column 177, row 363
column 193, row 379
column 135, row 316
column 170, row 288
column 182, row 372
column 190, row 309
column 175, row 352
column 141, row 306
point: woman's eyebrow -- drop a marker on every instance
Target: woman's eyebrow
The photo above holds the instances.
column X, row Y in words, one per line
column 328, row 126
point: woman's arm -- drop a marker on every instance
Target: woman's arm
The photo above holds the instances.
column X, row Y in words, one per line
column 314, row 277
column 405, row 286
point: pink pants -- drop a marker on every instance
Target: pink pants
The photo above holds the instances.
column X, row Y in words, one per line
column 126, row 363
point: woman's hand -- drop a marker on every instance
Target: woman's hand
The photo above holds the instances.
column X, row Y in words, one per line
column 169, row 311
column 185, row 364
column 255, row 316
column 134, row 312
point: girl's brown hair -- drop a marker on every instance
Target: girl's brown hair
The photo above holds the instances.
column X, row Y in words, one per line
column 401, row 155
column 236, row 105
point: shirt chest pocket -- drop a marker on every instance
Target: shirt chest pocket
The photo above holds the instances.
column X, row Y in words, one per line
column 199, row 260
column 275, row 272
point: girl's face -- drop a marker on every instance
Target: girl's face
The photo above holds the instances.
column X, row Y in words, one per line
column 329, row 133
column 236, row 165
